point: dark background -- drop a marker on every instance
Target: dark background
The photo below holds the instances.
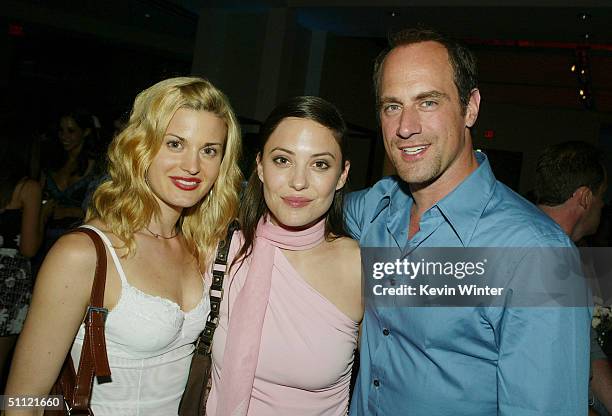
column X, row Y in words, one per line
column 100, row 54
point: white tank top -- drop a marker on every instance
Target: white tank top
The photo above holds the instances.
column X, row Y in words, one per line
column 149, row 340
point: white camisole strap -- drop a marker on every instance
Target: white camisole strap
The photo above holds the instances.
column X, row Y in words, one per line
column 112, row 251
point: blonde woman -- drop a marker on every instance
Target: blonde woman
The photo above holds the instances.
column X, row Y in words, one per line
column 171, row 194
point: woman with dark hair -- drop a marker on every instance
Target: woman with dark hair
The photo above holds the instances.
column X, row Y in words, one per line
column 68, row 169
column 20, row 237
column 290, row 315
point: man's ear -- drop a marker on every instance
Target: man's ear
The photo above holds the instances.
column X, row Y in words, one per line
column 471, row 111
column 259, row 167
column 584, row 196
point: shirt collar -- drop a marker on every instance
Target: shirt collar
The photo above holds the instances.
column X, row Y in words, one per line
column 397, row 196
column 462, row 207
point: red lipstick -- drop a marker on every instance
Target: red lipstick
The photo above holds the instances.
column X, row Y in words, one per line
column 186, row 184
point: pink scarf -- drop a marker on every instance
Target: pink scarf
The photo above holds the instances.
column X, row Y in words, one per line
column 246, row 323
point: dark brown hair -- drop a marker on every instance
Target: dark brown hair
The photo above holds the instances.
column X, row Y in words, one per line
column 463, row 62
column 565, row 167
column 85, row 121
column 253, row 205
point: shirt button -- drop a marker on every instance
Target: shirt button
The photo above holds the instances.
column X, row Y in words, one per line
column 376, row 382
column 385, row 332
column 392, row 282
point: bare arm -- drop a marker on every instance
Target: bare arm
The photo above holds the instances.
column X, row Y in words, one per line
column 31, row 223
column 60, row 298
column 351, row 268
column 357, row 269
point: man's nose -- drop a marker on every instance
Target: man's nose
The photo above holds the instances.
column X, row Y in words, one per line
column 409, row 123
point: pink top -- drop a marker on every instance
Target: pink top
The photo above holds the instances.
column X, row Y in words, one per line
column 306, row 352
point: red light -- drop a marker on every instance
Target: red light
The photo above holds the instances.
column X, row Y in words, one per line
column 489, row 134
column 15, row 30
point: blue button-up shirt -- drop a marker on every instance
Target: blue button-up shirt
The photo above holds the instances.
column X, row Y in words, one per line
column 466, row 360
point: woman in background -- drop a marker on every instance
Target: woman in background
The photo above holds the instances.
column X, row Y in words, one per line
column 68, row 170
column 171, row 194
column 289, row 318
column 20, row 237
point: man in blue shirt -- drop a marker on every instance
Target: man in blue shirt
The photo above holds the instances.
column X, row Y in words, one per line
column 513, row 360
column 571, row 182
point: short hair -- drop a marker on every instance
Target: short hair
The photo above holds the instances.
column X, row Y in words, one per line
column 126, row 203
column 462, row 60
column 253, row 205
column 565, row 167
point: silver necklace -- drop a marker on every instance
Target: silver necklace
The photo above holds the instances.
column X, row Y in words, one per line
column 161, row 236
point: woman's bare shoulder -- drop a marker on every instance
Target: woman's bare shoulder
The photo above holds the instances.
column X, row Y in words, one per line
column 75, row 249
column 345, row 246
column 344, row 253
column 30, row 186
column 69, row 266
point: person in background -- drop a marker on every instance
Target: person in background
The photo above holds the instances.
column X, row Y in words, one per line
column 571, row 181
column 20, row 238
column 68, row 170
column 172, row 192
column 100, row 173
column 289, row 318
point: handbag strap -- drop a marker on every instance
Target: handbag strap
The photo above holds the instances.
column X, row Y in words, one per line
column 204, row 342
column 94, row 359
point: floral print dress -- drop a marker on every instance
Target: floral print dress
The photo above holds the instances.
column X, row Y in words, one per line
column 15, row 275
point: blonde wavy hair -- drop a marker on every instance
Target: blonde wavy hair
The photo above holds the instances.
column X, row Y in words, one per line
column 126, row 204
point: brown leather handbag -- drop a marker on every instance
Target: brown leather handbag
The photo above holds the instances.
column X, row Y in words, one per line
column 76, row 387
column 193, row 402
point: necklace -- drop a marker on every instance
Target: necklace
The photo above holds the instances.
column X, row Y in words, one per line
column 161, row 236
